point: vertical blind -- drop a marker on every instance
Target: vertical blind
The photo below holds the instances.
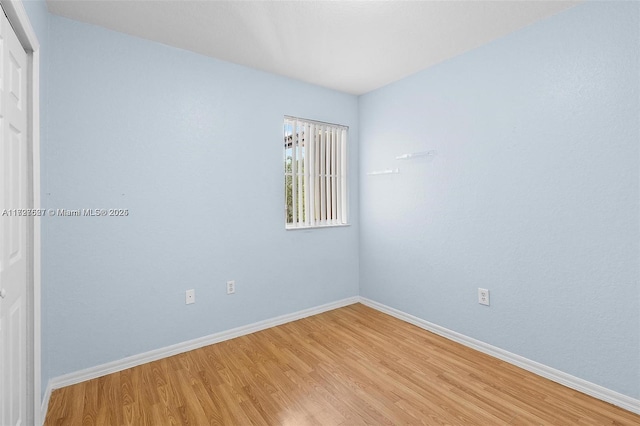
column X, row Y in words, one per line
column 315, row 173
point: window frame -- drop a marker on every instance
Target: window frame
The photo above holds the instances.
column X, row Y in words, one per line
column 324, row 167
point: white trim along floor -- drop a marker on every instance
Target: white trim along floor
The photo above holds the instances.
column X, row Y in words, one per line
column 557, row 376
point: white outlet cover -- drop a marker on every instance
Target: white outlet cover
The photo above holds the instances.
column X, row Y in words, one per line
column 231, row 287
column 483, row 296
column 190, row 297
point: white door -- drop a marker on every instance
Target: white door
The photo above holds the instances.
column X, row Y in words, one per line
column 13, row 227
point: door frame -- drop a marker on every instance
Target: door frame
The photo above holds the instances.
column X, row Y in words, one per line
column 19, row 20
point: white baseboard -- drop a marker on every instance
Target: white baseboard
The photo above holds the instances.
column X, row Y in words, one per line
column 154, row 355
column 557, row 376
column 45, row 403
column 597, row 391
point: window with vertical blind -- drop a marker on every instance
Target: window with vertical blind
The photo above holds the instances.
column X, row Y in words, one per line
column 315, row 173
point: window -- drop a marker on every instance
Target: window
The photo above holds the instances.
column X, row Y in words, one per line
column 315, row 170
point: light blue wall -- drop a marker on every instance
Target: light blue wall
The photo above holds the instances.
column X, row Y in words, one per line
column 533, row 194
column 192, row 146
column 39, row 18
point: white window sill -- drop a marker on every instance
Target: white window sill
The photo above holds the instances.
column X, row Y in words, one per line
column 302, row 228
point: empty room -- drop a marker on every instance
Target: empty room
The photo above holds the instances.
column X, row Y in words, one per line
column 319, row 212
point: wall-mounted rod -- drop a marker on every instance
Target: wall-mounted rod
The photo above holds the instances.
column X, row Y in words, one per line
column 416, row 155
column 384, row 172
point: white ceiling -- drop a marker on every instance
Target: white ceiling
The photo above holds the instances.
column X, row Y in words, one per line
column 350, row 46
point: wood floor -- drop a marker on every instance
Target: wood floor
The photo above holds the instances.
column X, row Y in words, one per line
column 350, row 366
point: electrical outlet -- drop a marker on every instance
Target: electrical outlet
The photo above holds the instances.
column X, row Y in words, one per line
column 190, row 297
column 483, row 296
column 231, row 287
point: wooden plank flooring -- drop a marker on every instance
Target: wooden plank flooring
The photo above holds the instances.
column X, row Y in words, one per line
column 350, row 366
